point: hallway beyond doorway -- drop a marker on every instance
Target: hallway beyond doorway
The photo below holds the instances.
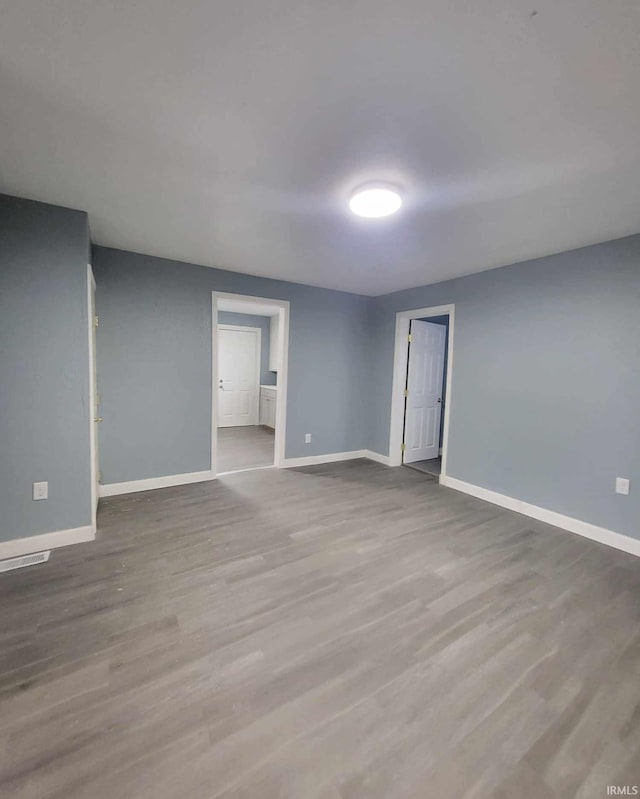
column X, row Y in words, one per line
column 432, row 467
column 246, row 447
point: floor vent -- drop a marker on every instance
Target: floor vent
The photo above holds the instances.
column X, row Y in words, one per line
column 26, row 560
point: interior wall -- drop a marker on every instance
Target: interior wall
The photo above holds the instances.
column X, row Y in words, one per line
column 267, row 378
column 44, row 368
column 154, row 364
column 545, row 385
column 545, row 388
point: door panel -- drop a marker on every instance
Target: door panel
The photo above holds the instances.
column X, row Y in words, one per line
column 423, row 410
column 238, row 375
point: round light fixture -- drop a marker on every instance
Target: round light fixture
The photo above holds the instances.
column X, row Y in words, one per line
column 375, row 200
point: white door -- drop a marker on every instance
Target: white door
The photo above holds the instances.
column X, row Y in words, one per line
column 238, row 376
column 423, row 408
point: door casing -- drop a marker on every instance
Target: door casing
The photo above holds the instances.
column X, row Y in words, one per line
column 283, row 373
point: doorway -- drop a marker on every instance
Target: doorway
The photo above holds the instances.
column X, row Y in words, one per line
column 249, row 368
column 421, row 397
column 425, row 396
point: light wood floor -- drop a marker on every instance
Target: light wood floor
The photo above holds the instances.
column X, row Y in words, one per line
column 345, row 631
column 245, row 447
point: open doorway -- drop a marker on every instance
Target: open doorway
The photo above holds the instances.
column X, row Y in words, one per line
column 249, row 349
column 425, row 396
column 422, row 389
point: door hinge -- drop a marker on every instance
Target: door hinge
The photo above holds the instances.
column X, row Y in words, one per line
column 403, row 447
column 99, row 477
column 96, row 321
column 409, row 338
column 406, row 392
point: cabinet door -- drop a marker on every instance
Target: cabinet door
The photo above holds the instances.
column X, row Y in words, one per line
column 264, row 408
column 274, row 343
column 272, row 412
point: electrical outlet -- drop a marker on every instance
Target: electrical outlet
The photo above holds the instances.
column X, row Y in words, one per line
column 622, row 486
column 307, row 438
column 41, row 490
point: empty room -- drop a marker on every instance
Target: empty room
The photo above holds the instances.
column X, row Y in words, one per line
column 319, row 393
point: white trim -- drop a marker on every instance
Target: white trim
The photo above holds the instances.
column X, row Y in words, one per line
column 283, row 360
column 400, row 360
column 38, row 543
column 377, row 457
column 258, row 364
column 335, row 457
column 612, row 539
column 151, row 483
column 332, row 457
column 93, row 432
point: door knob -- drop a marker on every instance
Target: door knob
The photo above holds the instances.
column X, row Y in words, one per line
column 97, row 418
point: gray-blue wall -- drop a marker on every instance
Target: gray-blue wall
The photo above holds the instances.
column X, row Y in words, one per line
column 267, row 378
column 154, row 364
column 545, row 388
column 44, row 368
column 546, row 380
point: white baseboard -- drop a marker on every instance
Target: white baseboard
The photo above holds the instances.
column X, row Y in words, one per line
column 151, row 483
column 114, row 489
column 38, row 543
column 612, row 539
column 335, row 457
column 385, row 460
column 331, row 457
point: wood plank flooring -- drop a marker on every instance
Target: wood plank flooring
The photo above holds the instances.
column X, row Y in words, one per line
column 433, row 466
column 245, row 447
column 345, row 631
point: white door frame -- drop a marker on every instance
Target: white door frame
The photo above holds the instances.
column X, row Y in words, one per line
column 258, row 332
column 400, row 364
column 93, row 430
column 283, row 360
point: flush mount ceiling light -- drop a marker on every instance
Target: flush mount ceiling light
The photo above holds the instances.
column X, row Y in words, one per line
column 375, row 200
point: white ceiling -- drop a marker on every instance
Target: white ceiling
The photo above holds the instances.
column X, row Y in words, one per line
column 231, row 133
column 248, row 307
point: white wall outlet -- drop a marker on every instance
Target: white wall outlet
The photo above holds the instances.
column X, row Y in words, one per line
column 307, row 438
column 41, row 490
column 622, row 486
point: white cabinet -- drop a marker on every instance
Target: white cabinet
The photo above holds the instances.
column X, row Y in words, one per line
column 268, row 404
column 274, row 343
